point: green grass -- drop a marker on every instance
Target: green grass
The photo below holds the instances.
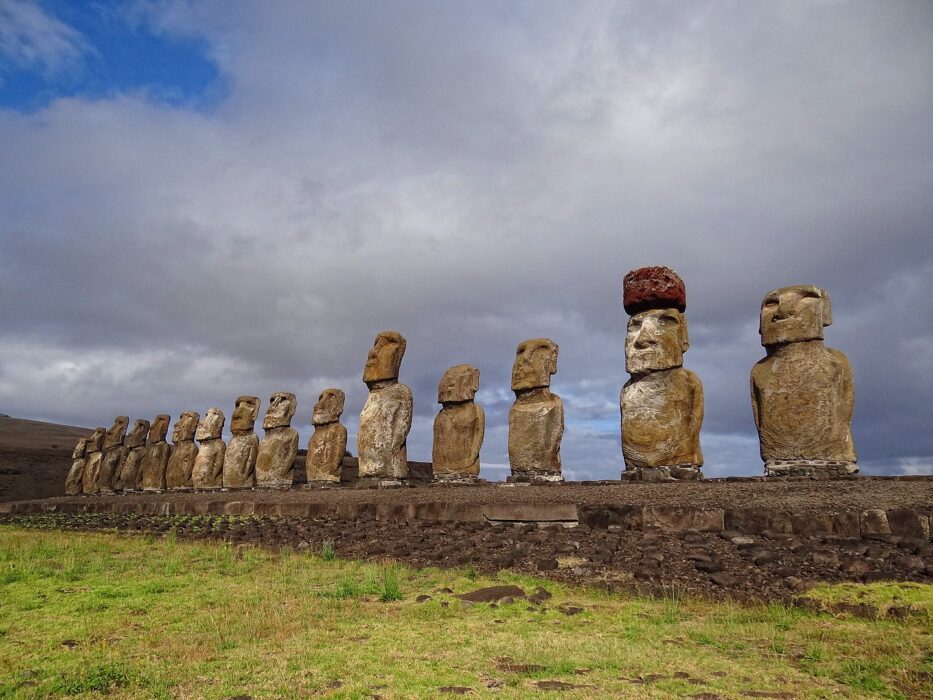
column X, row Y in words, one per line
column 94, row 615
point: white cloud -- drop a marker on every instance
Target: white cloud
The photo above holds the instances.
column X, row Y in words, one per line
column 33, row 39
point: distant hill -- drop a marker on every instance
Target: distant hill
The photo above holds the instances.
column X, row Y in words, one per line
column 35, row 457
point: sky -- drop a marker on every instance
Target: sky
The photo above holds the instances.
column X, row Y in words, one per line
column 205, row 199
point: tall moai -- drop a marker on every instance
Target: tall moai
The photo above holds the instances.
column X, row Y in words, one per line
column 75, row 478
column 459, row 427
column 802, row 392
column 90, row 482
column 156, row 456
column 382, row 440
column 113, row 454
column 184, row 452
column 279, row 446
column 536, row 419
column 130, row 473
column 662, row 403
column 328, row 444
column 208, row 471
column 240, row 458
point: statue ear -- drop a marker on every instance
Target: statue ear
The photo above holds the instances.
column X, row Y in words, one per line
column 552, row 360
column 827, row 308
column 684, row 338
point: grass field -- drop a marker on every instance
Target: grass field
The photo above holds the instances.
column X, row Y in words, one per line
column 91, row 615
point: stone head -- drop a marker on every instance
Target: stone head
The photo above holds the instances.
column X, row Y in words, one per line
column 535, row 362
column 459, row 383
column 79, row 449
column 117, row 432
column 211, row 426
column 655, row 340
column 95, row 443
column 159, row 428
column 793, row 314
column 282, row 406
column 185, row 426
column 329, row 407
column 244, row 415
column 385, row 358
column 137, row 436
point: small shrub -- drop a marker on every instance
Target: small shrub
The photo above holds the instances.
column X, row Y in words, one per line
column 327, row 551
column 391, row 586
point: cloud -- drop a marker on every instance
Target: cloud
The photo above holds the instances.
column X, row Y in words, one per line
column 472, row 176
column 30, row 38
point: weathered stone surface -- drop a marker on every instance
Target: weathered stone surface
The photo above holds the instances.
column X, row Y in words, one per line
column 239, row 468
column 536, row 419
column 386, row 416
column 653, row 288
column 184, row 452
column 209, row 464
column 279, row 447
column 156, row 456
column 113, row 454
column 90, row 482
column 328, row 444
column 75, row 478
column 802, row 392
column 459, row 426
column 128, row 475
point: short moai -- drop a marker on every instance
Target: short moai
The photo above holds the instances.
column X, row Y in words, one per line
column 90, row 482
column 114, row 452
column 75, row 478
column 208, row 469
column 382, row 440
column 184, row 452
column 156, row 456
column 662, row 403
column 802, row 392
column 240, row 458
column 131, row 469
column 536, row 419
column 328, row 444
column 279, row 446
column 459, row 426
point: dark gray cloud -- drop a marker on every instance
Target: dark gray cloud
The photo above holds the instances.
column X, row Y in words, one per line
column 473, row 175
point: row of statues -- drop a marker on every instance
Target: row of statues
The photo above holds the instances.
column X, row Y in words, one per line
column 802, row 400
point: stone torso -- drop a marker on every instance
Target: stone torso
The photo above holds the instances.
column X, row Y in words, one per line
column 180, row 465
column 384, row 425
column 239, row 468
column 155, row 465
column 325, row 452
column 209, row 465
column 130, row 471
column 91, row 479
column 661, row 417
column 110, row 467
column 535, row 431
column 74, row 482
column 458, row 436
column 276, row 459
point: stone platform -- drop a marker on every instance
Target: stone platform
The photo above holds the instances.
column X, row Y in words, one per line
column 849, row 508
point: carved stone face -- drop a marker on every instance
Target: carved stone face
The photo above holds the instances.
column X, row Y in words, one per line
column 244, row 415
column 792, row 314
column 79, row 449
column 95, row 443
column 459, row 383
column 211, row 426
column 385, row 358
column 535, row 362
column 137, row 436
column 185, row 426
column 655, row 340
column 329, row 407
column 117, row 432
column 159, row 428
column 282, row 406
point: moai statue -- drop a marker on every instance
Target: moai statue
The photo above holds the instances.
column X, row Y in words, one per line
column 459, row 426
column 536, row 419
column 279, row 447
column 75, row 478
column 240, row 459
column 329, row 441
column 90, row 483
column 131, row 469
column 157, row 454
column 114, row 451
column 208, row 472
column 662, row 404
column 386, row 416
column 802, row 391
column 184, row 452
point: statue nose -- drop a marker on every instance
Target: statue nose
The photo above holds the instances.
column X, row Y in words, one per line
column 784, row 310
